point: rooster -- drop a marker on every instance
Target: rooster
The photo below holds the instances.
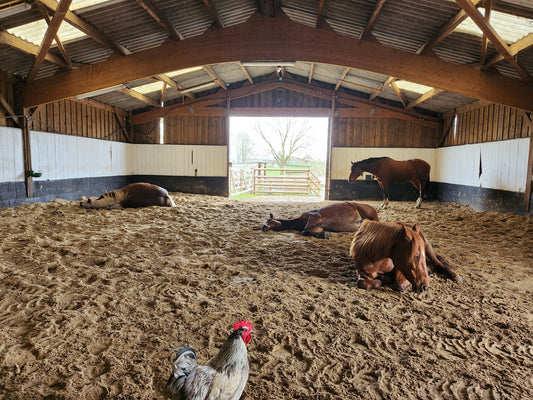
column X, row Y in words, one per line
column 225, row 376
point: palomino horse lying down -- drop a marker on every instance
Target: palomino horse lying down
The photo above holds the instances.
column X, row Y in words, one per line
column 384, row 248
column 336, row 217
column 131, row 196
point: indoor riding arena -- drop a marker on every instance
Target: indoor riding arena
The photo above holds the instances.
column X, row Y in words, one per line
column 97, row 95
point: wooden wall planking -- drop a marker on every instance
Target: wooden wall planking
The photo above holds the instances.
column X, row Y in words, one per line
column 368, row 132
column 195, row 130
column 484, row 122
column 6, row 91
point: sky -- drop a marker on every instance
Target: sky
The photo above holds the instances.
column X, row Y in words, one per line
column 316, row 136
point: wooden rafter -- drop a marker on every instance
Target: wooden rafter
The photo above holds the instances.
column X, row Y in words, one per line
column 487, row 4
column 162, row 96
column 174, row 85
column 140, row 97
column 9, row 110
column 517, row 47
column 311, row 69
column 372, row 20
column 49, row 36
column 88, row 29
column 398, row 93
column 161, row 18
column 27, row 47
column 319, row 13
column 215, row 77
column 44, row 13
column 214, row 14
column 341, row 79
column 382, row 88
column 246, row 73
column 425, row 97
column 265, row 38
column 493, row 36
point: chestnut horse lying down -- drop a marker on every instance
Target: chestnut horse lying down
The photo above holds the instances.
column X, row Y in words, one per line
column 131, row 196
column 384, row 248
column 336, row 217
column 377, row 250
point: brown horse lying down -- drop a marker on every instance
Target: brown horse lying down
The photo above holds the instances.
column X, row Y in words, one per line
column 336, row 217
column 131, row 196
column 384, row 248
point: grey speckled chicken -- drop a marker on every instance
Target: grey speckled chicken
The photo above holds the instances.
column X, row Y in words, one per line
column 225, row 376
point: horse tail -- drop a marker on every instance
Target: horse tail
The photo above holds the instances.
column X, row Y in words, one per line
column 365, row 211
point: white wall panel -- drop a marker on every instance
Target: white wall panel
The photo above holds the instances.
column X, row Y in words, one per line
column 342, row 157
column 503, row 165
column 11, row 155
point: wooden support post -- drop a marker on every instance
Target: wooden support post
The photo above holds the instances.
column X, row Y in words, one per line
column 26, row 148
column 328, row 158
column 226, row 139
column 529, row 173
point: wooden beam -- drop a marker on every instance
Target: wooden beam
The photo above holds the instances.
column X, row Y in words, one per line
column 121, row 119
column 27, row 47
column 160, row 18
column 445, row 30
column 214, row 14
column 529, row 173
column 88, row 29
column 493, row 36
column 215, row 77
column 174, row 85
column 26, row 151
column 139, row 96
column 265, row 38
column 44, row 13
column 9, row 110
column 49, row 36
column 382, row 88
column 398, row 93
column 487, row 4
column 319, row 13
column 372, row 20
column 341, row 79
column 426, row 96
column 246, row 73
column 311, row 73
column 280, row 112
column 520, row 45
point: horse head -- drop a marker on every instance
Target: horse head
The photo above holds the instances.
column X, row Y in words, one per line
column 410, row 257
column 271, row 224
column 355, row 172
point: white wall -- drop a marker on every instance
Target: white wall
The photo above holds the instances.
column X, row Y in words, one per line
column 11, row 156
column 504, row 163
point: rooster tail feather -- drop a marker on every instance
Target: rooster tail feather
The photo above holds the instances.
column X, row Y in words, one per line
column 184, row 362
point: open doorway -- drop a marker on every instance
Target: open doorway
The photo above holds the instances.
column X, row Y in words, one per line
column 278, row 156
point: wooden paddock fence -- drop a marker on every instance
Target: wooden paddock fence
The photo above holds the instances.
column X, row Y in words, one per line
column 284, row 180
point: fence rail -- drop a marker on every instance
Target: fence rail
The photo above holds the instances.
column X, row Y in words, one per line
column 283, row 180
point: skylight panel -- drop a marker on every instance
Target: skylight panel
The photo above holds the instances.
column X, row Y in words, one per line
column 78, row 4
column 509, row 27
column 34, row 32
column 413, row 87
column 183, row 71
column 149, row 88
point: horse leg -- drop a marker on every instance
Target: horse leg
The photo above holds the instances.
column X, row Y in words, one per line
column 401, row 281
column 372, row 270
column 383, row 187
column 418, row 185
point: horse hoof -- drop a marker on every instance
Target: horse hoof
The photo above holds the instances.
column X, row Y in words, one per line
column 458, row 279
column 327, row 235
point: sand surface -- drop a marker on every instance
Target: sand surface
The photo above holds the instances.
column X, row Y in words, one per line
column 92, row 302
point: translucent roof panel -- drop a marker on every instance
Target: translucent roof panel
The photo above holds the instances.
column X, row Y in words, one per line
column 413, row 87
column 509, row 27
column 34, row 32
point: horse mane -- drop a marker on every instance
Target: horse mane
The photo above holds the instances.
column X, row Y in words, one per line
column 371, row 159
column 374, row 240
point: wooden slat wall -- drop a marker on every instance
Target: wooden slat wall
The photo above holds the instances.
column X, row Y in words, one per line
column 195, row 130
column 362, row 132
column 6, row 90
column 147, row 133
column 77, row 118
column 483, row 122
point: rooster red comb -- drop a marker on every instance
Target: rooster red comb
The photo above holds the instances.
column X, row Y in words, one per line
column 243, row 324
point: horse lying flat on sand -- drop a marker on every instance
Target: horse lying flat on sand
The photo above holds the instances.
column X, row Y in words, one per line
column 336, row 217
column 131, row 196
column 386, row 170
column 383, row 248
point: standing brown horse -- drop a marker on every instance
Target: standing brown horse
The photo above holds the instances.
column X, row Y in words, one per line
column 383, row 248
column 386, row 170
column 337, row 217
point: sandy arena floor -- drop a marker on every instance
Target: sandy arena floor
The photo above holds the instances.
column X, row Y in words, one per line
column 92, row 302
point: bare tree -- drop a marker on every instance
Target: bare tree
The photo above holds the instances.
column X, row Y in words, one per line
column 243, row 148
column 284, row 138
